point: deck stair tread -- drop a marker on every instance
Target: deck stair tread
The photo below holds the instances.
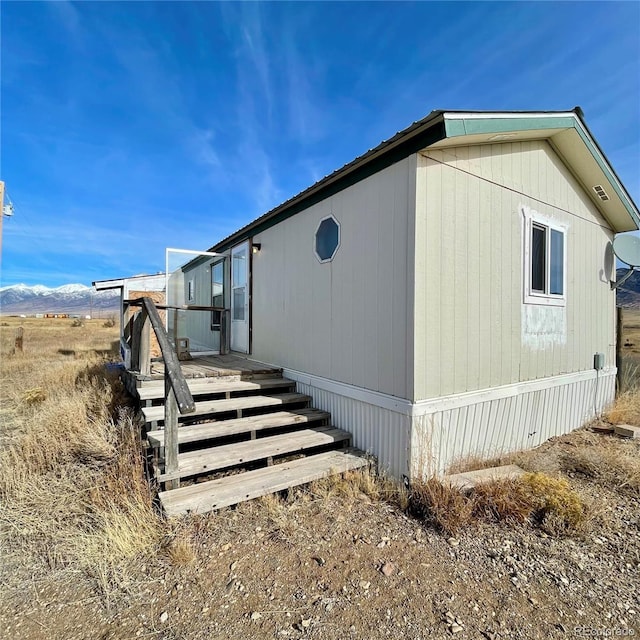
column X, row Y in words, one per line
column 229, row 455
column 230, row 490
column 198, row 386
column 236, row 426
column 211, row 407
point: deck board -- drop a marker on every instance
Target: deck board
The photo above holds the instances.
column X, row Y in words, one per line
column 224, row 492
column 211, row 407
column 237, row 426
column 155, row 389
column 218, row 366
column 224, row 456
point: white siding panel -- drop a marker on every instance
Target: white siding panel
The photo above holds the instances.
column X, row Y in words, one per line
column 488, row 428
column 375, row 430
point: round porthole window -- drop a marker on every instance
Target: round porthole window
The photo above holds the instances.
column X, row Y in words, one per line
column 327, row 239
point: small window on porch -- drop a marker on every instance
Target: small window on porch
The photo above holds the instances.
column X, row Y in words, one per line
column 217, row 293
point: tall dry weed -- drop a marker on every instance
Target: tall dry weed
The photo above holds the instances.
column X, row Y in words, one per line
column 626, row 409
column 72, row 487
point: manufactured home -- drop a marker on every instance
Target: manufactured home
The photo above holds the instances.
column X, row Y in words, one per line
column 446, row 294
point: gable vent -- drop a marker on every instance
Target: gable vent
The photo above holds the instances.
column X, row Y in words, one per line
column 602, row 194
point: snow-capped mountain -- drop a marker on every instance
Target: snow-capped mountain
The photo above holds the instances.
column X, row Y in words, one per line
column 69, row 298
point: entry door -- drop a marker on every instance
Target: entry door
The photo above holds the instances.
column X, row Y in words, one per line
column 240, row 298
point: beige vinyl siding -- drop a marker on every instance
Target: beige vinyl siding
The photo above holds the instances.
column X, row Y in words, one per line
column 350, row 319
column 472, row 329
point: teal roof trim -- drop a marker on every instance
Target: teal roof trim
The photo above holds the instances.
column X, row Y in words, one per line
column 461, row 126
column 472, row 126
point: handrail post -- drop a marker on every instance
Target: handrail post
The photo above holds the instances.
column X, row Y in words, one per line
column 136, row 329
column 225, row 323
column 145, row 345
column 175, row 329
column 170, row 431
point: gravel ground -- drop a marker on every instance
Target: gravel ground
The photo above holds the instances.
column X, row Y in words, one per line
column 326, row 566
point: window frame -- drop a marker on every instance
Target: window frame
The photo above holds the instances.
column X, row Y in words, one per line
column 315, row 239
column 531, row 296
column 216, row 316
column 191, row 290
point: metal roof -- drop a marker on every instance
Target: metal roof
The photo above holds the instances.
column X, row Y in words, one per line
column 435, row 127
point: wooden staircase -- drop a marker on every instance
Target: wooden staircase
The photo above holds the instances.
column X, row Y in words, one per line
column 246, row 438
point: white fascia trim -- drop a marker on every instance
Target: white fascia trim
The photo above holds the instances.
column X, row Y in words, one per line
column 490, row 115
column 444, row 403
column 103, row 285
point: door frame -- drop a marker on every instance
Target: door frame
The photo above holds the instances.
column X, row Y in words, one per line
column 248, row 289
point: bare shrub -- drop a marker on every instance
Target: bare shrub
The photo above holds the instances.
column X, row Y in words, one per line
column 441, row 506
column 626, row 409
column 77, row 322
column 34, row 396
column 558, row 508
column 109, row 322
column 503, row 501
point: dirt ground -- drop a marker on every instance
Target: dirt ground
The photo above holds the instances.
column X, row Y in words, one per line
column 339, row 559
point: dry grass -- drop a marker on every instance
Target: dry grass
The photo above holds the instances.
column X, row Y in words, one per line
column 358, row 484
column 626, row 409
column 72, row 488
column 537, row 498
column 440, row 506
column 616, row 467
column 506, row 501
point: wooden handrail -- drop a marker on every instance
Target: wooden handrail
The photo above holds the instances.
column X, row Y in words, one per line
column 178, row 396
column 137, row 302
column 171, row 363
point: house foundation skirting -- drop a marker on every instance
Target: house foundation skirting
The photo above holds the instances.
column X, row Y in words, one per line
column 426, row 437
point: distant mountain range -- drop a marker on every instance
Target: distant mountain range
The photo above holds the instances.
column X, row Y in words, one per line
column 629, row 292
column 82, row 300
column 70, row 298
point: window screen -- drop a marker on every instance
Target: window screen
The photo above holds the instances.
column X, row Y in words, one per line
column 556, row 284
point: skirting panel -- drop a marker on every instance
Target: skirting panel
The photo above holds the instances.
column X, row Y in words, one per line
column 491, row 427
column 376, row 430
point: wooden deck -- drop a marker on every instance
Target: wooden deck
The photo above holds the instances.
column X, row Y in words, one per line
column 202, row 369
column 227, row 428
column 219, row 366
column 250, row 434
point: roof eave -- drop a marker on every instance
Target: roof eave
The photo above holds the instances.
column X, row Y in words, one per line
column 464, row 124
column 436, row 127
column 419, row 135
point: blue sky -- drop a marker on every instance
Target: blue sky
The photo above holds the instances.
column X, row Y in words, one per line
column 128, row 127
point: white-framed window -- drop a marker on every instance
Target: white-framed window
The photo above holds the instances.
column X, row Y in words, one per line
column 327, row 239
column 545, row 260
column 191, row 291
